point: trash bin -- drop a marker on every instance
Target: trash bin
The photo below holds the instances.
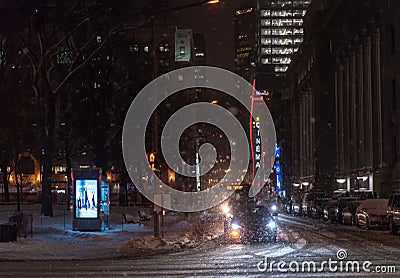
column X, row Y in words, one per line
column 8, row 232
column 22, row 223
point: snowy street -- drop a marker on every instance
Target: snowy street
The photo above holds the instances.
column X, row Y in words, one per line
column 305, row 247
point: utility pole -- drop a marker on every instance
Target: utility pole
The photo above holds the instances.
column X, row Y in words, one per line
column 156, row 210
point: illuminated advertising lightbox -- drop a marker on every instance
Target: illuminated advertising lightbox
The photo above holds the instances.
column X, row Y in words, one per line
column 86, row 197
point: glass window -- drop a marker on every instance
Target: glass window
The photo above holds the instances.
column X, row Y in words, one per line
column 182, row 50
column 281, row 31
column 265, row 22
column 265, row 13
column 265, row 31
column 297, row 31
column 297, row 22
column 284, row 13
column 282, row 22
column 266, row 41
column 266, row 50
column 266, row 61
column 281, row 68
column 299, row 13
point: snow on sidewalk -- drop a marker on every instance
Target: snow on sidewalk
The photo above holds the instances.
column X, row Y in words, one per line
column 54, row 239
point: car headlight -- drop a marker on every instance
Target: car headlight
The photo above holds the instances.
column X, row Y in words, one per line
column 225, row 209
column 271, row 225
column 235, row 226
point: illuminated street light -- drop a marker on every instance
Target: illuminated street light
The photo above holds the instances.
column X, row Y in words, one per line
column 213, row 2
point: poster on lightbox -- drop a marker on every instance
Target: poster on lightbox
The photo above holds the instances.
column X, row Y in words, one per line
column 86, row 199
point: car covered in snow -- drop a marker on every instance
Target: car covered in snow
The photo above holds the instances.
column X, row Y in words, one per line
column 372, row 212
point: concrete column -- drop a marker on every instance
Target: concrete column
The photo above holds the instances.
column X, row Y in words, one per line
column 360, row 105
column 312, row 132
column 301, row 136
column 306, row 134
column 309, row 133
column 339, row 117
column 377, row 97
column 353, row 111
column 340, row 114
column 346, row 114
column 367, row 89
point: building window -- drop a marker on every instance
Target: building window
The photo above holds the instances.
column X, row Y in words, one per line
column 64, row 56
column 281, row 68
column 59, row 169
column 164, row 63
column 182, row 50
column 134, row 48
column 265, row 22
column 146, row 49
column 265, row 13
column 163, row 47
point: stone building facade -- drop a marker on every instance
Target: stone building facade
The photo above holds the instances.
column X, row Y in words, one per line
column 344, row 86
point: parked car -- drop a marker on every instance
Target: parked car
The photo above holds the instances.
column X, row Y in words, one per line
column 393, row 212
column 329, row 210
column 349, row 213
column 372, row 212
column 307, row 201
column 342, row 202
column 296, row 208
column 318, row 205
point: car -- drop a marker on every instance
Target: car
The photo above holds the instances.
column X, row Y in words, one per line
column 329, row 210
column 393, row 212
column 250, row 223
column 372, row 212
column 342, row 202
column 307, row 201
column 317, row 209
column 348, row 216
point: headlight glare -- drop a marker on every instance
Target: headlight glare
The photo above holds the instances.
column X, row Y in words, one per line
column 235, row 226
column 271, row 224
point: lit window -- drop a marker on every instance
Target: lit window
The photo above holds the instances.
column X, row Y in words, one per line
column 266, row 61
column 265, row 22
column 265, row 41
column 265, row 13
column 146, row 49
column 298, row 31
column 281, row 68
column 134, row 48
column 98, row 39
column 164, row 62
column 64, row 56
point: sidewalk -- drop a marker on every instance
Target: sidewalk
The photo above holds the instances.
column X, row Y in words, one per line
column 54, row 239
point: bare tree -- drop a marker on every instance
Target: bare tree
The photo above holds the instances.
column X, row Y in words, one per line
column 60, row 40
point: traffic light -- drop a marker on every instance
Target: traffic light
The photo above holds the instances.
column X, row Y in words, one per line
column 152, row 159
